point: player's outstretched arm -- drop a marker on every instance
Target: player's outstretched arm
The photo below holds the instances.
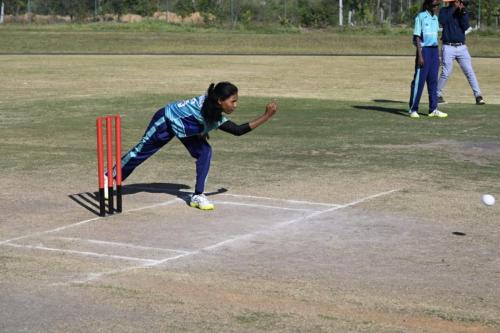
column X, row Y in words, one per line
column 271, row 109
column 238, row 130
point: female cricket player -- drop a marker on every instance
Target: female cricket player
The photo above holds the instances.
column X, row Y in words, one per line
column 190, row 121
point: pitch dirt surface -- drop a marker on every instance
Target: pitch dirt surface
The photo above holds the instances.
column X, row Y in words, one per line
column 256, row 263
column 333, row 217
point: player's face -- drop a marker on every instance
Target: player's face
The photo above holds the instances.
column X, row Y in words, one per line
column 230, row 104
column 435, row 5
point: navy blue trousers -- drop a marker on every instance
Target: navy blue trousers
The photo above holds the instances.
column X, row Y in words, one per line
column 426, row 74
column 158, row 134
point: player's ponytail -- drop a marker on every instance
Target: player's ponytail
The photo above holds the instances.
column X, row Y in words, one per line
column 211, row 110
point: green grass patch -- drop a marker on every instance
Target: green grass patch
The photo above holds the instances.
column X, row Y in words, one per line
column 311, row 136
column 160, row 37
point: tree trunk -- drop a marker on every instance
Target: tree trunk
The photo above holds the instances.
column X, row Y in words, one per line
column 377, row 10
column 341, row 13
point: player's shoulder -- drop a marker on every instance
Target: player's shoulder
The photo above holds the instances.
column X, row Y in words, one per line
column 420, row 16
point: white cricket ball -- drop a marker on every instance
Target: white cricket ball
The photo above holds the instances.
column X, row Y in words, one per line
column 488, row 199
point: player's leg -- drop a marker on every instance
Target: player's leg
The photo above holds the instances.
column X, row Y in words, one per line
column 417, row 85
column 447, row 55
column 157, row 134
column 200, row 149
column 432, row 60
column 465, row 62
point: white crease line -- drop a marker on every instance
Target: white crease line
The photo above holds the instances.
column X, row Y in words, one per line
column 187, row 193
column 95, row 276
column 155, row 205
column 140, row 247
column 83, row 253
column 49, row 231
column 82, row 222
column 278, row 199
column 261, row 206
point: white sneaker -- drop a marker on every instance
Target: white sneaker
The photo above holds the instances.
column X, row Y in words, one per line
column 200, row 201
column 106, row 194
column 437, row 113
column 414, row 114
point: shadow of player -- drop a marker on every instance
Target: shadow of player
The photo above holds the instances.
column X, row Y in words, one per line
column 90, row 200
column 396, row 111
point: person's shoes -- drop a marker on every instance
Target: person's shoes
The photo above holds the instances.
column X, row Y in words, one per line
column 414, row 114
column 106, row 192
column 441, row 100
column 437, row 113
column 480, row 100
column 200, row 201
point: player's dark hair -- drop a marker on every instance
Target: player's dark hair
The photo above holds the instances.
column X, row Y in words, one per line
column 211, row 110
column 427, row 5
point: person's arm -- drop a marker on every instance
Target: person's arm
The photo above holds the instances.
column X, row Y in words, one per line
column 271, row 109
column 417, row 32
column 232, row 128
column 420, row 57
column 463, row 18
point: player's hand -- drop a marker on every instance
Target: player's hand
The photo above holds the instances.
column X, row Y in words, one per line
column 420, row 62
column 271, row 109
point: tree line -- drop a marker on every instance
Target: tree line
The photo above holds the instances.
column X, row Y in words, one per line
column 305, row 13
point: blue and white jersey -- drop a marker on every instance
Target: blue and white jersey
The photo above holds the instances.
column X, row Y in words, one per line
column 186, row 119
column 426, row 27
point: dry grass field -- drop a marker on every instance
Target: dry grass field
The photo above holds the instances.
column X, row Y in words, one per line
column 339, row 215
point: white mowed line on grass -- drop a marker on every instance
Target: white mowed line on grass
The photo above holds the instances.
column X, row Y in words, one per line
column 40, row 233
column 81, row 253
column 98, row 275
column 147, row 263
column 12, row 242
column 119, row 244
column 263, row 206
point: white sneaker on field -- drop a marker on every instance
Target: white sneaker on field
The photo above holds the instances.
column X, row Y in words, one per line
column 437, row 113
column 413, row 114
column 200, row 201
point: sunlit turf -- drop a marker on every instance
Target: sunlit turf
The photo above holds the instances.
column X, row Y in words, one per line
column 307, row 136
column 157, row 37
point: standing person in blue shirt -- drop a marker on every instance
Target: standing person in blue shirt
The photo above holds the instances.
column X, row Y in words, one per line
column 455, row 22
column 425, row 37
column 190, row 121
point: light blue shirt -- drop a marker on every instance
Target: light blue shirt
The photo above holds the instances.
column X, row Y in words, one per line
column 426, row 27
column 186, row 119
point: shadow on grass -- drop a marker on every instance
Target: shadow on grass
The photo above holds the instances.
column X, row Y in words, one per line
column 387, row 101
column 396, row 111
column 90, row 200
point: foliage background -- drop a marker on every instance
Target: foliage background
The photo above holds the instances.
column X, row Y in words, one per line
column 304, row 13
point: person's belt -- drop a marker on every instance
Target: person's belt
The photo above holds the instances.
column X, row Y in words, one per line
column 454, row 44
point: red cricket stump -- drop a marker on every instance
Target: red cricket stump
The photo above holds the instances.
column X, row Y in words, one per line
column 118, row 161
column 109, row 159
column 100, row 167
column 109, row 153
